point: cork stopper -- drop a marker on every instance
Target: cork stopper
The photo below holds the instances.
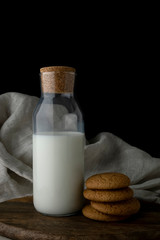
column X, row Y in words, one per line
column 57, row 79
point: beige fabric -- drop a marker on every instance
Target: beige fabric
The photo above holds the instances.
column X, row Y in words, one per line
column 16, row 145
column 105, row 153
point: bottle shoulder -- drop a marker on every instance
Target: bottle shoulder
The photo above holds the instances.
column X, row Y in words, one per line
column 59, row 104
column 57, row 115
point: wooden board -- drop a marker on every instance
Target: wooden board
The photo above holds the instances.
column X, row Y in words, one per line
column 19, row 220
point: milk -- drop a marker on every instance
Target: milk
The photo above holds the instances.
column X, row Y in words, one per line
column 58, row 172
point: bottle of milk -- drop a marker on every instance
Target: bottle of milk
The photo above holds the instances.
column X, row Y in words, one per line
column 58, row 145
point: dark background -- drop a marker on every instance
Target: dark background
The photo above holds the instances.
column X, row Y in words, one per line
column 116, row 55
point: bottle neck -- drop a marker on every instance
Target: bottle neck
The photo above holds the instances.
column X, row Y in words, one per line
column 53, row 95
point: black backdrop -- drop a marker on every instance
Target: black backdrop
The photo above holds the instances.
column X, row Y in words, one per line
column 117, row 71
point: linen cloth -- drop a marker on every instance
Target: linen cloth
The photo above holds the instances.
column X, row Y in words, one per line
column 105, row 153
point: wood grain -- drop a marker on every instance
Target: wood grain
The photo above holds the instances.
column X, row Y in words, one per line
column 19, row 220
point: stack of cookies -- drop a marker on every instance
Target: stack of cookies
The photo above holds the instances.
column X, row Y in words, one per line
column 110, row 197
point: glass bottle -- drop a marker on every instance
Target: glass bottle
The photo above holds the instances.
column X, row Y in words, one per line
column 58, row 145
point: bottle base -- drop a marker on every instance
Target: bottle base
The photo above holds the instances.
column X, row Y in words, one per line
column 59, row 215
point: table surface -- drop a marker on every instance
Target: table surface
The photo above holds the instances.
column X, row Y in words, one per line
column 19, row 220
